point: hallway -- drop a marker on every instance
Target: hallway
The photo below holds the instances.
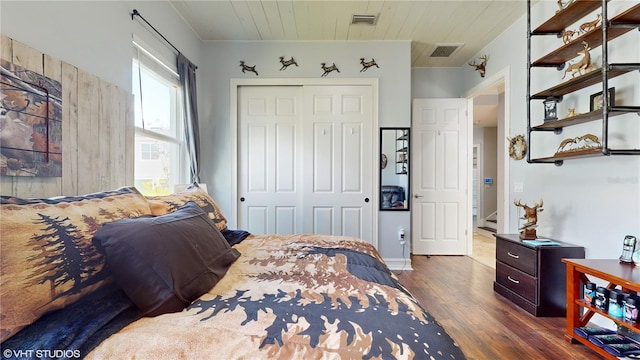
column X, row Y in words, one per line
column 484, row 250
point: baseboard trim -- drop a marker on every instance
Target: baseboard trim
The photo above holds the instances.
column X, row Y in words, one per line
column 398, row 263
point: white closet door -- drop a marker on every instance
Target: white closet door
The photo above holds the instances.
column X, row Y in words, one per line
column 306, row 160
column 270, row 158
column 338, row 171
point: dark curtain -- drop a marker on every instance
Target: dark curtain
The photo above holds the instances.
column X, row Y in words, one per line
column 187, row 72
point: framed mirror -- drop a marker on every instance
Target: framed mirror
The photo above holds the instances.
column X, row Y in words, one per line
column 394, row 169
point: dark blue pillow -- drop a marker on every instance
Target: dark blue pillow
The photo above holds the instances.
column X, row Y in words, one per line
column 163, row 263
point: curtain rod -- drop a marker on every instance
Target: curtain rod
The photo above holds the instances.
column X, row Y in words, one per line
column 136, row 13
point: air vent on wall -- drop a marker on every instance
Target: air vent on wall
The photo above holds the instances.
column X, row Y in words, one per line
column 444, row 50
column 364, row 19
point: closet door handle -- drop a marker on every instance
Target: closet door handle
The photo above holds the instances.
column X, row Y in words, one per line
column 513, row 255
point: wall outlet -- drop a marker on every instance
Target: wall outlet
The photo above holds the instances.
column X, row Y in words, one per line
column 401, row 235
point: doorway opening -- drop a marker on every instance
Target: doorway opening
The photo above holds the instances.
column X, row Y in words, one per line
column 489, row 167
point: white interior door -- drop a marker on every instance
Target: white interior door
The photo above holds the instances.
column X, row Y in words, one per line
column 270, row 159
column 439, row 177
column 306, row 156
column 338, row 171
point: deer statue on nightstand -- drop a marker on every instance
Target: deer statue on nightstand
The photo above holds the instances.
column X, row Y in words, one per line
column 528, row 229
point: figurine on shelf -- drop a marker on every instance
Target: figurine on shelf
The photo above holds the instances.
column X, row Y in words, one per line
column 528, row 229
column 572, row 113
column 590, row 25
column 582, row 66
column 563, row 4
column 579, row 143
column 567, row 35
column 551, row 109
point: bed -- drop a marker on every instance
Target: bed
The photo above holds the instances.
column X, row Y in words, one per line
column 300, row 296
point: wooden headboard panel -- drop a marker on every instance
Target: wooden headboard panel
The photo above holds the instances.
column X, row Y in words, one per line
column 97, row 129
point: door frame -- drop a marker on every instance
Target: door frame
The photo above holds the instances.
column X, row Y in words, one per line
column 478, row 185
column 235, row 83
column 503, row 155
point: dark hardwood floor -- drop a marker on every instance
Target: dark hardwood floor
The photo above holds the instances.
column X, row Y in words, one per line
column 458, row 292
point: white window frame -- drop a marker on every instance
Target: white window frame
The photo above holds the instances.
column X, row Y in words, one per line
column 145, row 60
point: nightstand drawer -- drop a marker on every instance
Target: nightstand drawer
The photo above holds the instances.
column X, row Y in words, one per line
column 517, row 281
column 518, row 256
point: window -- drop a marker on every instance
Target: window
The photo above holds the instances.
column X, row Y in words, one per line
column 150, row 151
column 160, row 152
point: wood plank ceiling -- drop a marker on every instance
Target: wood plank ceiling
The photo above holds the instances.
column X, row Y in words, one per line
column 472, row 23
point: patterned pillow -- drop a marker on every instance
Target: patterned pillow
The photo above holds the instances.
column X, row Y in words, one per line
column 165, row 204
column 48, row 257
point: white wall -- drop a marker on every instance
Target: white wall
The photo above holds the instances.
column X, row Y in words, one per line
column 96, row 35
column 436, row 83
column 591, row 202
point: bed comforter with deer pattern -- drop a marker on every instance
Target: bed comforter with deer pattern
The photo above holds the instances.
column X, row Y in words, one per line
column 293, row 297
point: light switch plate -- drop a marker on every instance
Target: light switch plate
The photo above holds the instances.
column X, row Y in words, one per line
column 518, row 187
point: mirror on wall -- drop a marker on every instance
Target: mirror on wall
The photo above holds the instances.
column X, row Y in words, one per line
column 394, row 169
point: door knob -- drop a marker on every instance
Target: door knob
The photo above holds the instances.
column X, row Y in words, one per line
column 242, row 199
column 418, row 196
column 366, row 200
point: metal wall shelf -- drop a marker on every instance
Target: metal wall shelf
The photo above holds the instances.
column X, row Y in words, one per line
column 609, row 29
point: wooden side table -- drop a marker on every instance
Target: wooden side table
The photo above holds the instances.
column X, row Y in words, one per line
column 626, row 276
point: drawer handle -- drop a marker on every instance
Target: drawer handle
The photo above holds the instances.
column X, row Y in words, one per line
column 513, row 255
column 513, row 280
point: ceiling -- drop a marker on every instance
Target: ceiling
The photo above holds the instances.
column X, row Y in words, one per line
column 473, row 24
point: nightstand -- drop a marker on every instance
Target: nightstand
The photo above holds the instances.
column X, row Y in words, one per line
column 533, row 277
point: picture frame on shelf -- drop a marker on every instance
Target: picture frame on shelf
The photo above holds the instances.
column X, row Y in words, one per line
column 550, row 109
column 595, row 101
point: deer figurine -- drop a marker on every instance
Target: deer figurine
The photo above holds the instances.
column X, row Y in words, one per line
column 567, row 35
column 248, row 68
column 581, row 66
column 528, row 229
column 328, row 69
column 368, row 64
column 481, row 67
column 590, row 25
column 563, row 4
column 287, row 63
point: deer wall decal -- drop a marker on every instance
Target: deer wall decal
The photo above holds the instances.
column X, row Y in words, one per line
column 368, row 64
column 248, row 68
column 328, row 69
column 287, row 63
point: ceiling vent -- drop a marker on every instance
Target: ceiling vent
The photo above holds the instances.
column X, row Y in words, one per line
column 445, row 50
column 364, row 19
